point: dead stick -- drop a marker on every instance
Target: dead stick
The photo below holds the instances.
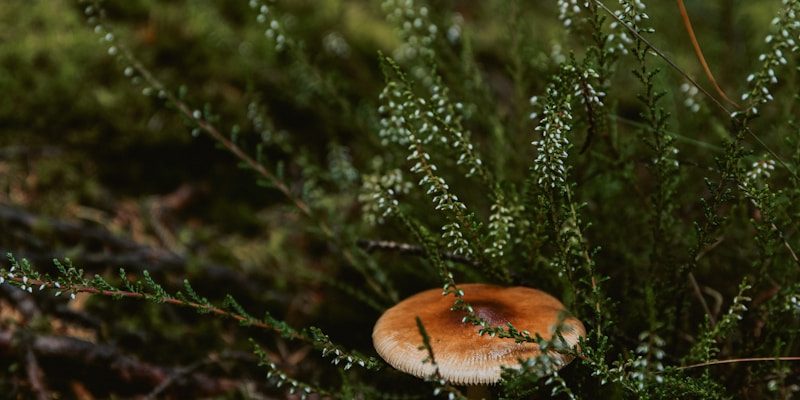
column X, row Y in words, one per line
column 687, row 23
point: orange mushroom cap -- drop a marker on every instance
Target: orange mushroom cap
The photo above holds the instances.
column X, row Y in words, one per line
column 462, row 355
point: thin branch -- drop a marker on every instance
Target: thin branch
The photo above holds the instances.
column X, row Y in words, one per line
column 312, row 335
column 784, row 164
column 204, row 308
column 738, row 360
column 35, row 375
column 786, row 243
column 410, row 249
column 180, row 373
column 702, row 299
column 709, row 248
column 678, row 136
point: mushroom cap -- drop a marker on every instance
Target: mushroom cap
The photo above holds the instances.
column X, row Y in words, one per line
column 462, row 355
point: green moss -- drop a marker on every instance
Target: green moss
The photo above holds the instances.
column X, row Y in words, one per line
column 416, row 115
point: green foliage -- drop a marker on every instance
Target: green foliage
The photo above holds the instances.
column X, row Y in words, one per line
column 562, row 146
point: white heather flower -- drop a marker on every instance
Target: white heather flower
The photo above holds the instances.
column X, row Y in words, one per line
column 335, row 44
column 568, row 11
column 551, row 147
column 761, row 169
column 691, row 102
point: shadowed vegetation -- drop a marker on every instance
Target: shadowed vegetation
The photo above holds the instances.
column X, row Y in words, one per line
column 233, row 191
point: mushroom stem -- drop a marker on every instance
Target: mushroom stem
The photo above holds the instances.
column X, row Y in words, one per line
column 478, row 392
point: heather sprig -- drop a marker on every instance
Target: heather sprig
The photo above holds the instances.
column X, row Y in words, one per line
column 707, row 345
column 409, row 122
column 551, row 171
column 542, row 369
column 442, row 387
column 71, row 280
column 280, row 379
column 782, row 42
column 444, row 116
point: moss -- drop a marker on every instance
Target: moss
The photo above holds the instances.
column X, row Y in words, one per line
column 345, row 154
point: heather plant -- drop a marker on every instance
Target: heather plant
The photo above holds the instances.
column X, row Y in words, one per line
column 354, row 153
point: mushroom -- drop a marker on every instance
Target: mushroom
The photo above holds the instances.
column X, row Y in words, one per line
column 462, row 355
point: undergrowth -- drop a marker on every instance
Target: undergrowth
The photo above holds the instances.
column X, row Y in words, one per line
column 594, row 167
